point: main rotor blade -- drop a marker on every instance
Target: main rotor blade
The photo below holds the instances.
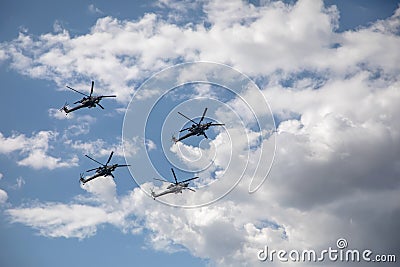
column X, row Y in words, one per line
column 187, row 118
column 185, row 136
column 108, row 161
column 202, row 117
column 95, row 160
column 91, row 89
column 187, row 180
column 217, row 124
column 100, row 105
column 176, row 181
column 191, row 189
column 77, row 91
column 92, row 170
column 124, row 165
column 108, row 96
column 162, row 180
column 184, row 129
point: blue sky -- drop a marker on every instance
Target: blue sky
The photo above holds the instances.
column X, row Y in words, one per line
column 328, row 70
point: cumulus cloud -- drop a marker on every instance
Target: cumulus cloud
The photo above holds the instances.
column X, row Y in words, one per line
column 257, row 40
column 12, row 143
column 134, row 50
column 335, row 97
column 34, row 150
column 38, row 159
column 103, row 189
column 100, row 147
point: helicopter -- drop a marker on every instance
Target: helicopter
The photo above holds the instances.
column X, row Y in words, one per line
column 197, row 128
column 103, row 170
column 88, row 101
column 176, row 187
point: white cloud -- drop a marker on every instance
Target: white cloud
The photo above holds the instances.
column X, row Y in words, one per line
column 80, row 220
column 38, row 159
column 3, row 196
column 150, row 145
column 58, row 26
column 12, row 143
column 79, row 126
column 337, row 165
column 57, row 114
column 98, row 147
column 3, row 55
column 134, row 50
column 94, row 10
column 77, row 129
column 181, row 6
column 60, row 220
column 179, row 11
column 103, row 189
column 19, row 183
column 34, row 150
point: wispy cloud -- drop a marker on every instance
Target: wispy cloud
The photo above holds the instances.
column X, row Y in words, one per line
column 18, row 183
column 60, row 220
column 94, row 10
column 150, row 145
column 79, row 219
column 57, row 114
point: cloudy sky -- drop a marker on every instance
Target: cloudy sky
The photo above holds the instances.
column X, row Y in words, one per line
column 309, row 92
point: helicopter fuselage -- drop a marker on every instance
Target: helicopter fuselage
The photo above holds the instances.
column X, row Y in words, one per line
column 199, row 129
column 106, row 170
column 90, row 102
column 103, row 170
column 172, row 188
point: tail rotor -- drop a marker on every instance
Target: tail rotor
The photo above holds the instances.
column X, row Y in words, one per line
column 64, row 108
column 82, row 178
column 153, row 194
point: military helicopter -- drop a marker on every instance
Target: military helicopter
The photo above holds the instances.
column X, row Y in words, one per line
column 176, row 187
column 197, row 128
column 103, row 170
column 88, row 101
